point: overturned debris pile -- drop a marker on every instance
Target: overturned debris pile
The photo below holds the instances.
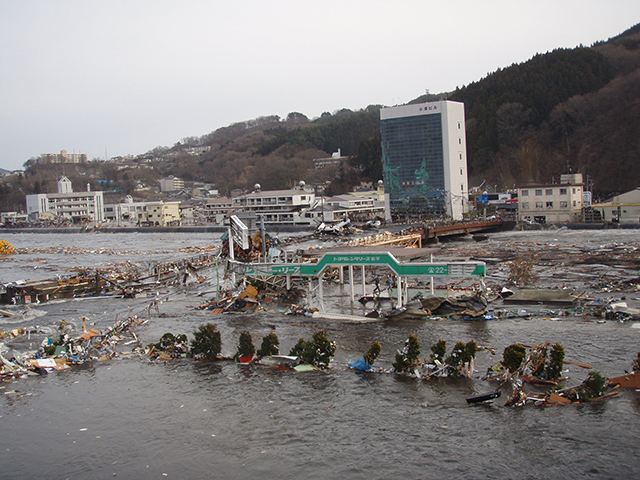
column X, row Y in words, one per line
column 593, row 388
column 63, row 350
column 245, row 302
column 255, row 251
column 169, row 347
column 462, row 307
column 123, row 279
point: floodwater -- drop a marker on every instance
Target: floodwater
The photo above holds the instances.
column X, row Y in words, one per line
column 131, row 418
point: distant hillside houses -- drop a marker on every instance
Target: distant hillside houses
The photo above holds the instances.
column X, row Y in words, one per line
column 62, row 157
column 171, row 184
column 336, row 158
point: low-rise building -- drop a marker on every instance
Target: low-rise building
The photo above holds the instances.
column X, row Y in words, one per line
column 215, row 210
column 128, row 212
column 302, row 207
column 553, row 203
column 623, row 209
column 163, row 214
column 13, row 218
column 171, row 184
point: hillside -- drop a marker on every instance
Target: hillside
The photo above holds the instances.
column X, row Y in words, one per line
column 575, row 110
column 567, row 110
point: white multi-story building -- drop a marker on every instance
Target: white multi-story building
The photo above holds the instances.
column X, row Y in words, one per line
column 553, row 203
column 127, row 212
column 171, row 184
column 215, row 210
column 284, row 207
column 424, row 159
column 67, row 204
column 302, row 208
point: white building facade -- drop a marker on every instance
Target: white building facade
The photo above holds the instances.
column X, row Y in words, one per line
column 554, row 203
column 128, row 212
column 284, row 207
column 67, row 204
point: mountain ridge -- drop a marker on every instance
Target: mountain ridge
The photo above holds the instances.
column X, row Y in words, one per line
column 568, row 110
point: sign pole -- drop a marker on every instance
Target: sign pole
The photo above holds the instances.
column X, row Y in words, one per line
column 232, row 257
column 351, row 282
column 432, row 292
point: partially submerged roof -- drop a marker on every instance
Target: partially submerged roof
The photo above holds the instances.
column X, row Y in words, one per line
column 541, row 296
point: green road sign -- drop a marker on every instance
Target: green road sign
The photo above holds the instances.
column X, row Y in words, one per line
column 456, row 269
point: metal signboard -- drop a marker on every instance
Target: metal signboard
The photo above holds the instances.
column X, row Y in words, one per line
column 239, row 232
column 456, row 269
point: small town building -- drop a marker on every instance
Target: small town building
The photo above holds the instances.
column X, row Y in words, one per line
column 128, row 212
column 171, row 184
column 13, row 218
column 163, row 214
column 553, row 203
column 623, row 209
column 215, row 210
column 282, row 207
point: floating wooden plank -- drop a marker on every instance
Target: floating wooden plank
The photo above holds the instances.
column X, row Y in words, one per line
column 631, row 380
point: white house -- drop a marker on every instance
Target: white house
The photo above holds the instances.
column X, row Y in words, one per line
column 552, row 203
column 127, row 212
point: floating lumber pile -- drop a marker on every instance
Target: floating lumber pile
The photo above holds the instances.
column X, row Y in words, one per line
column 388, row 238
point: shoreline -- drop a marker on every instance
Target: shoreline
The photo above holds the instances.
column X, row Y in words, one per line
column 184, row 229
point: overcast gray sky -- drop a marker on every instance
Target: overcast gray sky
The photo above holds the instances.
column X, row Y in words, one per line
column 121, row 77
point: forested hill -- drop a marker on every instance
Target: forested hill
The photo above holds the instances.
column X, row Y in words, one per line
column 567, row 110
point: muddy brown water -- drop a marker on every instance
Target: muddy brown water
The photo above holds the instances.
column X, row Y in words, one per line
column 131, row 418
